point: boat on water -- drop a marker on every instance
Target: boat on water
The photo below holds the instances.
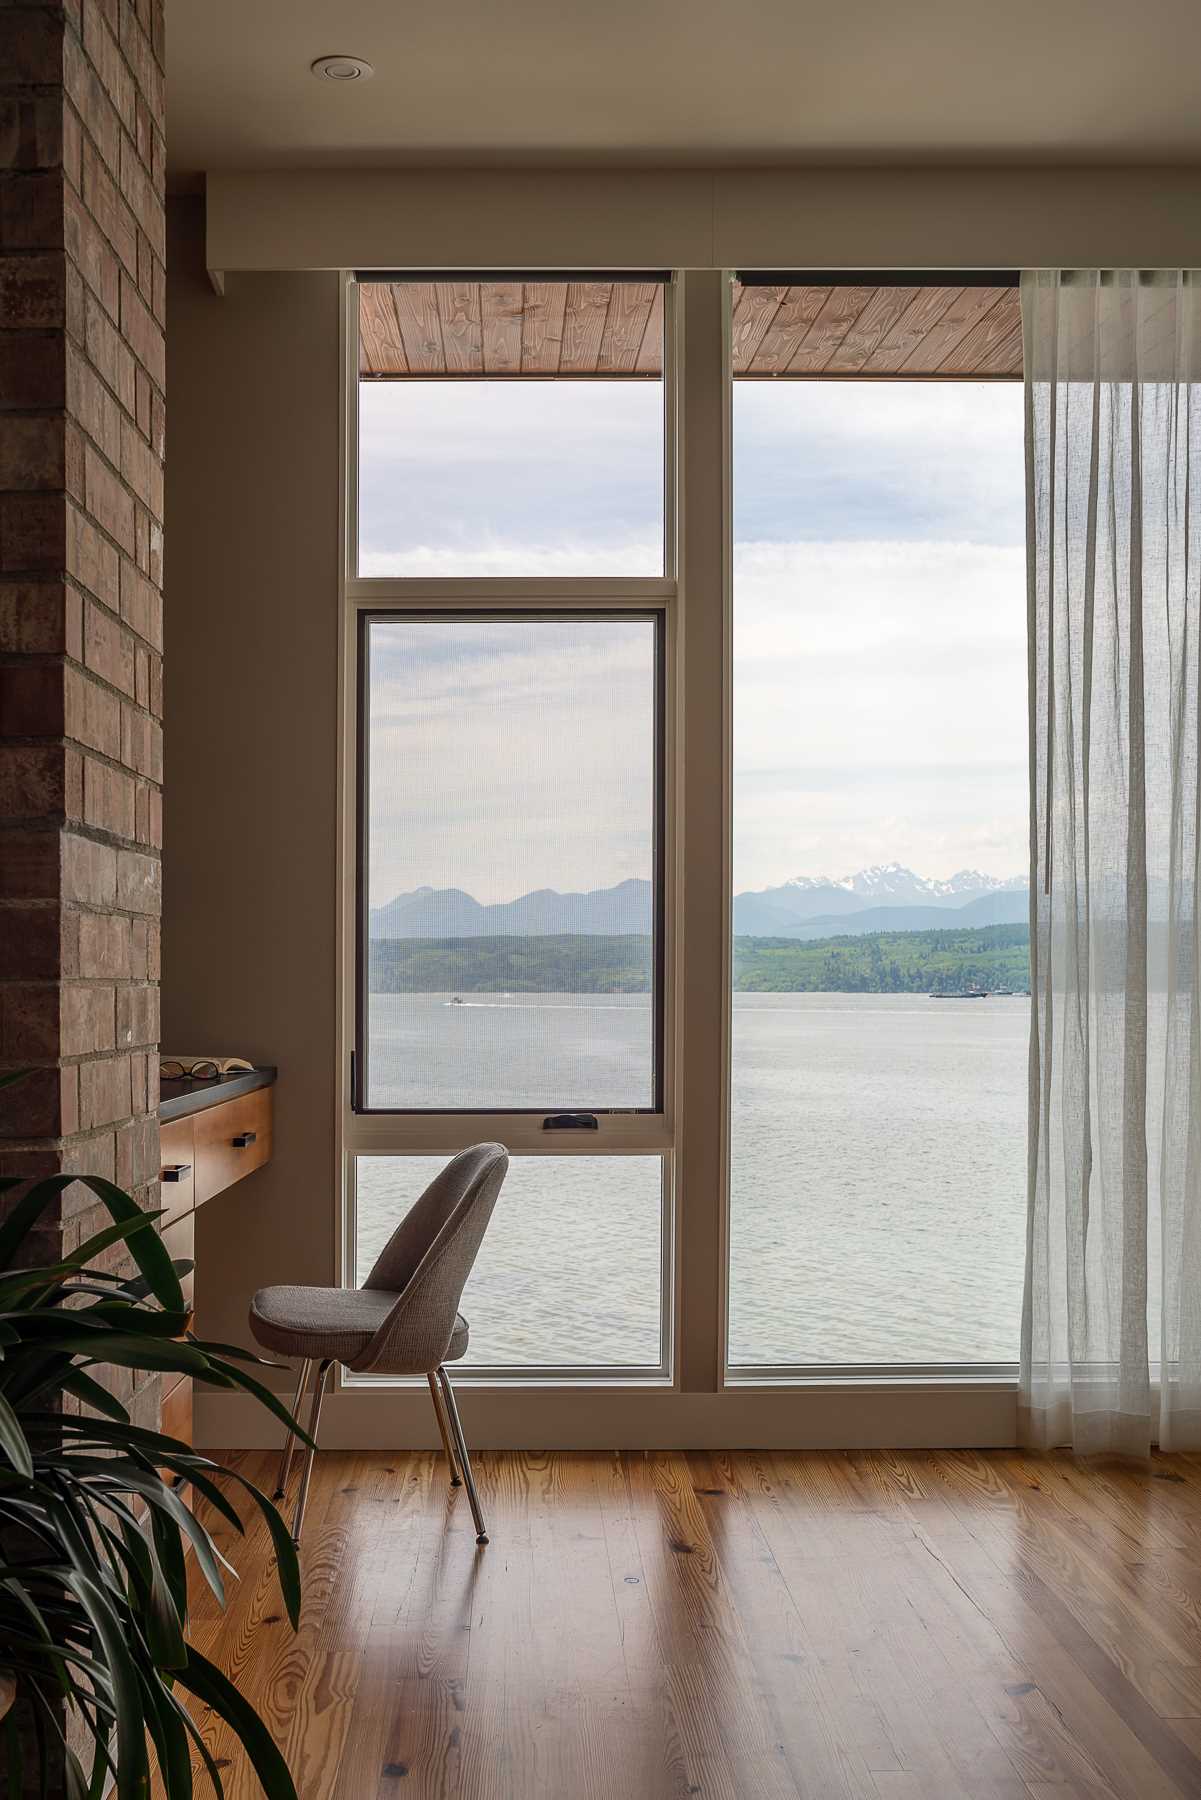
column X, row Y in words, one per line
column 972, row 993
column 454, row 1001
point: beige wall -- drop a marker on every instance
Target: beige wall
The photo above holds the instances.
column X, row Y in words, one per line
column 249, row 828
column 915, row 218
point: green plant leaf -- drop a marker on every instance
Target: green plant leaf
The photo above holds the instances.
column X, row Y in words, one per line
column 13, row 1441
column 133, row 1769
column 206, row 1681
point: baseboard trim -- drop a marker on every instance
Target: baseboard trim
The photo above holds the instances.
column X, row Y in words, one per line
column 565, row 1418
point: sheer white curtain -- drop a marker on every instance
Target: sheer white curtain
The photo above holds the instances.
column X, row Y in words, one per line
column 1111, row 1336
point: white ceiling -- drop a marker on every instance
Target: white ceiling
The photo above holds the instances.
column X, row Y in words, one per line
column 678, row 82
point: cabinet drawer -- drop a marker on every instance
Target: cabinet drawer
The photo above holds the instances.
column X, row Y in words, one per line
column 179, row 1241
column 176, row 1410
column 177, row 1168
column 231, row 1140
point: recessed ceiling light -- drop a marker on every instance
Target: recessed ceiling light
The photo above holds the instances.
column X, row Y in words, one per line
column 342, row 68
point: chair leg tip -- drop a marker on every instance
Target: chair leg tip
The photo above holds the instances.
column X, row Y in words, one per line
column 482, row 1538
column 278, row 1494
column 456, row 1481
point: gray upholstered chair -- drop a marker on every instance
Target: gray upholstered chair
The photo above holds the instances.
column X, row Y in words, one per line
column 404, row 1320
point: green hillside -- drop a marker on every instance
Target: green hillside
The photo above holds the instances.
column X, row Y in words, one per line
column 894, row 962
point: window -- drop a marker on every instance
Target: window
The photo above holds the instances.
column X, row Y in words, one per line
column 571, row 1271
column 568, row 770
column 511, row 428
column 878, row 1125
column 511, row 879
column 509, row 629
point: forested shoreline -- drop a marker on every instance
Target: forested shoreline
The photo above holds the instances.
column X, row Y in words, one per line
column 892, row 962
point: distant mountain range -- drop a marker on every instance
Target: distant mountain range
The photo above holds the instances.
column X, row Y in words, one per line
column 887, row 897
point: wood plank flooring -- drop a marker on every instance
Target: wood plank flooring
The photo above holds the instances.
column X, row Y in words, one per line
column 750, row 1626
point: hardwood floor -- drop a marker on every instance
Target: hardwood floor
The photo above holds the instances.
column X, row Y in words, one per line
column 861, row 1626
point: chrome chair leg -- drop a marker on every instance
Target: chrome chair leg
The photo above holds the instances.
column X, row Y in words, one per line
column 440, row 1415
column 456, row 1428
column 285, row 1461
column 323, row 1370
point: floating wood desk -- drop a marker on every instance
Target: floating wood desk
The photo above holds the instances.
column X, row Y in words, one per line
column 211, row 1134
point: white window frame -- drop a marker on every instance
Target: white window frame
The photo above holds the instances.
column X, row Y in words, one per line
column 419, row 1133
column 695, row 1397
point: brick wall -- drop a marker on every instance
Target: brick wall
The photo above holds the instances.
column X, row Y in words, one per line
column 82, row 296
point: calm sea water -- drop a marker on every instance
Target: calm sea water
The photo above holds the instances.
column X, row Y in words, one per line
column 877, row 1174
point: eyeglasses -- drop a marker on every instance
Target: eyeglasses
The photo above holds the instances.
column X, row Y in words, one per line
column 197, row 1071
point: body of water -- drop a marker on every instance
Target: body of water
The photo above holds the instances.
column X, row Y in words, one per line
column 878, row 1174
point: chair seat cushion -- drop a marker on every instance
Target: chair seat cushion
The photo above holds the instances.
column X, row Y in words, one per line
column 337, row 1323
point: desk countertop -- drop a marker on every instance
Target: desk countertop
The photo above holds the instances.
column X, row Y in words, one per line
column 179, row 1098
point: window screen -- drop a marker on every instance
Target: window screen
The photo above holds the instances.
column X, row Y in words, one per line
column 510, row 869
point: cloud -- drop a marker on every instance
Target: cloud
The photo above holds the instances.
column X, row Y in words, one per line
column 879, row 638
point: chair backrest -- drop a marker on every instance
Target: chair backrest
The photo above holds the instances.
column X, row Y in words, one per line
column 428, row 1258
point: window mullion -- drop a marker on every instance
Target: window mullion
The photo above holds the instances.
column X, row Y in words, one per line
column 703, row 438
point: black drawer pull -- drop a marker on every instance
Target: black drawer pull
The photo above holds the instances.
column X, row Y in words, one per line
column 571, row 1121
column 176, row 1171
column 244, row 1138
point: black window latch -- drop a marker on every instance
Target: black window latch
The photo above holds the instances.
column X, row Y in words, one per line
column 572, row 1121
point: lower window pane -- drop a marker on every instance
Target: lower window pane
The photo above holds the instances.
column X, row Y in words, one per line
column 570, row 1269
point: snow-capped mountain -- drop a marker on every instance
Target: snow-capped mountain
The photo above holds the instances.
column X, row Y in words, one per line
column 778, row 911
column 888, row 895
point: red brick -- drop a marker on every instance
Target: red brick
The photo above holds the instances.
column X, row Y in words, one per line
column 29, row 865
column 90, row 402
column 93, row 715
column 104, row 1091
column 93, row 105
column 108, row 648
column 29, row 943
column 31, row 210
column 112, row 360
column 33, row 618
column 106, row 59
column 103, row 946
column 89, row 871
column 29, row 1021
column 108, row 798
column 32, row 371
column 33, row 291
column 31, row 699
column 108, row 501
column 92, row 560
column 34, row 781
column 31, row 47
column 144, row 203
column 91, row 252
column 43, row 1104
column 137, row 1015
column 140, row 332
column 32, row 532
column 109, row 209
column 141, row 606
column 88, row 1018
column 139, row 882
column 32, row 451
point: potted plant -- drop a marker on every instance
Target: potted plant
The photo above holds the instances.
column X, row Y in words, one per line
column 96, row 1517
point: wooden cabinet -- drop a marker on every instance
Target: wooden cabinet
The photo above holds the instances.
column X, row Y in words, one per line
column 231, row 1140
column 202, row 1153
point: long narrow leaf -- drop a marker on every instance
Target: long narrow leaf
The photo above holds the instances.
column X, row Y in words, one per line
column 13, row 1441
column 206, row 1681
column 133, row 1770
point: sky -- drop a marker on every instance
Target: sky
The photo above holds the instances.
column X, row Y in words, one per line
column 879, row 631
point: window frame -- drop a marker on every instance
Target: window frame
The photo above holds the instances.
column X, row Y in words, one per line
column 367, row 617
column 708, row 1400
column 374, row 1131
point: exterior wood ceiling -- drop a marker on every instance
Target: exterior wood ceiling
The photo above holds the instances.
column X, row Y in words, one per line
column 435, row 330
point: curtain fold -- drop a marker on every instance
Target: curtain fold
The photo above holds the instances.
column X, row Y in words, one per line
column 1111, row 1331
